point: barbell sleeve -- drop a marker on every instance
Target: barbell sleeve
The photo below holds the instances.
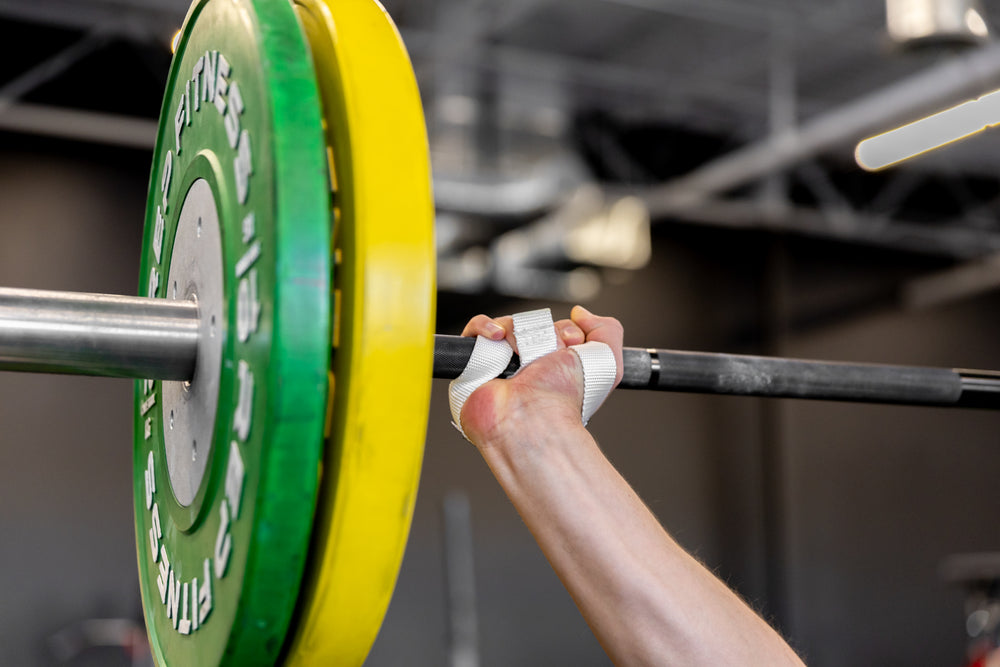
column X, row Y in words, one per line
column 97, row 334
column 774, row 377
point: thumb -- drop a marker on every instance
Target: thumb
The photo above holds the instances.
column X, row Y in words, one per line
column 606, row 330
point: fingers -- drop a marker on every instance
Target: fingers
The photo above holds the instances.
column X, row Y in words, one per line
column 484, row 326
column 494, row 328
column 581, row 327
column 568, row 333
column 603, row 329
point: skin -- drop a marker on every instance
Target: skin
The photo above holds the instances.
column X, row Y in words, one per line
column 647, row 601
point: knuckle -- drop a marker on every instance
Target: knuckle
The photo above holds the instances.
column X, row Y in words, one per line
column 479, row 321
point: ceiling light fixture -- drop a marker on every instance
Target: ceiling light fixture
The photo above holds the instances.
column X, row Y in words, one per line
column 926, row 23
column 927, row 134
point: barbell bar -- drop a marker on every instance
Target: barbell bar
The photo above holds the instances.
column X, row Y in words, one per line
column 147, row 338
column 282, row 343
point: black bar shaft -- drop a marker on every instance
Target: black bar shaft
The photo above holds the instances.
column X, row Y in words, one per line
column 742, row 375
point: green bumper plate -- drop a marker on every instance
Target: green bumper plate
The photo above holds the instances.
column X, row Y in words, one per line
column 221, row 563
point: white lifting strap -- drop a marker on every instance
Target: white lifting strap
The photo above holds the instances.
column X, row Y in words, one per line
column 535, row 334
column 489, row 359
column 599, row 371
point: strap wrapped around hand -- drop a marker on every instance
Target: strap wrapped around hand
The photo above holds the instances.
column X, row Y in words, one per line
column 535, row 334
column 599, row 372
column 489, row 359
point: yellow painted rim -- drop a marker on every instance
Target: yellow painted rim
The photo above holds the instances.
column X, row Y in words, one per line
column 383, row 217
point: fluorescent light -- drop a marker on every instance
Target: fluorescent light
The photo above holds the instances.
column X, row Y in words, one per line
column 929, row 133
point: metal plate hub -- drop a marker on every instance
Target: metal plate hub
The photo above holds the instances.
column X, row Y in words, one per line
column 189, row 407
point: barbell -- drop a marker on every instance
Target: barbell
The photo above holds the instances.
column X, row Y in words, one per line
column 149, row 338
column 283, row 346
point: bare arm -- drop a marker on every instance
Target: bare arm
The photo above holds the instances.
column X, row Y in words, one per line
column 647, row 601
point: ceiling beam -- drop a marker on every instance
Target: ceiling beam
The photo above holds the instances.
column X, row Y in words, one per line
column 950, row 241
column 939, row 86
column 139, row 18
column 102, row 128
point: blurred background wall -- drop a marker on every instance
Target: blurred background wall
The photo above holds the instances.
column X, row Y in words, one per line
column 832, row 519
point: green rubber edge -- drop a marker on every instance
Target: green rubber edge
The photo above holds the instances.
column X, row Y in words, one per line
column 290, row 353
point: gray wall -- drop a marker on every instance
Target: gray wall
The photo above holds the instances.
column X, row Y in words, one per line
column 66, row 535
column 872, row 498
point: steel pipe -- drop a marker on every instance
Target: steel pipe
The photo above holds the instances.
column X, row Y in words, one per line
column 97, row 334
column 774, row 377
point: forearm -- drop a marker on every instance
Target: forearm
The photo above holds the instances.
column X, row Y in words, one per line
column 645, row 598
